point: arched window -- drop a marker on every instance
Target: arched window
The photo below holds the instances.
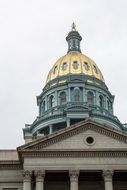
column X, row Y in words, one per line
column 109, row 105
column 77, row 95
column 101, row 101
column 51, row 101
column 62, row 98
column 90, row 98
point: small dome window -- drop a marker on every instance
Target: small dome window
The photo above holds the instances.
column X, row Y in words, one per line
column 95, row 69
column 75, row 65
column 51, row 101
column 101, row 101
column 64, row 66
column 86, row 66
column 77, row 95
column 109, row 105
column 74, row 43
column 55, row 69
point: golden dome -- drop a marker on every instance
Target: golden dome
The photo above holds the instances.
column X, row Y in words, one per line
column 74, row 62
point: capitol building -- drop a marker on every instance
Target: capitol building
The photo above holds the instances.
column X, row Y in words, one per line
column 76, row 142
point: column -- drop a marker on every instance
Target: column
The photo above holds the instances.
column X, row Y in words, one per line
column 84, row 96
column 50, row 129
column 40, row 174
column 56, row 99
column 46, row 103
column 68, row 122
column 97, row 98
column 74, row 174
column 27, row 180
column 107, row 175
column 69, row 94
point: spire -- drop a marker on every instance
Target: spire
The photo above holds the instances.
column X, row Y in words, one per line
column 73, row 39
column 73, row 27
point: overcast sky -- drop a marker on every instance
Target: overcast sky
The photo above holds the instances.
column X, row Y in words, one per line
column 32, row 38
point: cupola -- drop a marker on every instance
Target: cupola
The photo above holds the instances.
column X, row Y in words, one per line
column 73, row 39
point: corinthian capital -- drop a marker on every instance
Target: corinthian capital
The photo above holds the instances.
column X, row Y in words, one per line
column 27, row 175
column 107, row 174
column 40, row 174
column 74, row 174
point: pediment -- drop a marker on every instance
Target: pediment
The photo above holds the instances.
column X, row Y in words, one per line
column 76, row 138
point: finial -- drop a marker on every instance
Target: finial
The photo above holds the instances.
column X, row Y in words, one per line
column 73, row 27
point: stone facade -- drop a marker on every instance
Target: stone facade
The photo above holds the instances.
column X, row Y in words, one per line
column 65, row 160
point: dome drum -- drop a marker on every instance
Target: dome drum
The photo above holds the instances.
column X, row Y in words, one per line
column 54, row 122
column 72, row 102
column 71, row 92
column 77, row 78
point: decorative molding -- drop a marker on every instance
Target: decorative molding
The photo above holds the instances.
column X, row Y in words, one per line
column 74, row 174
column 75, row 153
column 27, row 175
column 40, row 174
column 107, row 174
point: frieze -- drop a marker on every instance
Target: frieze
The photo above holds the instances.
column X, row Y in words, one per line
column 66, row 153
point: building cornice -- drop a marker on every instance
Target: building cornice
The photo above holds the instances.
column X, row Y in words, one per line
column 109, row 153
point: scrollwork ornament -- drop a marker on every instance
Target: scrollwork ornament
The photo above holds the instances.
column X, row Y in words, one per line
column 107, row 174
column 74, row 174
column 27, row 175
column 40, row 174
